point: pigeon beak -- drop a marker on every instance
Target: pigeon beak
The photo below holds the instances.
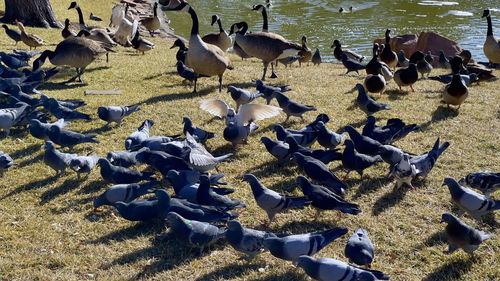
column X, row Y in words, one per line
column 442, row 221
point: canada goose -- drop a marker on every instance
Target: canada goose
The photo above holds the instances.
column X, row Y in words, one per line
column 141, row 44
column 387, row 55
column 262, row 9
column 491, row 46
column 13, row 34
column 74, row 5
column 239, row 51
column 77, row 52
column 204, row 58
column 483, row 73
column 152, row 23
column 456, row 92
column 98, row 35
column 266, row 46
column 316, row 58
column 29, row 39
column 67, row 32
column 182, row 52
column 220, row 39
column 94, row 17
column 306, row 53
column 337, row 52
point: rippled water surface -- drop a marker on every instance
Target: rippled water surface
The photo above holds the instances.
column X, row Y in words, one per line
column 321, row 21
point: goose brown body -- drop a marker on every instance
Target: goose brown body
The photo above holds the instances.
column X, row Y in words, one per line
column 491, row 46
column 220, row 39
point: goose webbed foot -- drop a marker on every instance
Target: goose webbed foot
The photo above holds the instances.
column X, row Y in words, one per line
column 273, row 75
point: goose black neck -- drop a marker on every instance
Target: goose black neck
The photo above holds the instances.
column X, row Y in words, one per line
column 194, row 17
column 220, row 26
column 154, row 10
column 265, row 28
column 490, row 26
column 80, row 16
column 46, row 54
column 387, row 39
column 244, row 28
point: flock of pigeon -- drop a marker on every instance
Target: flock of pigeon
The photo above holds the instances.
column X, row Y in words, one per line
column 200, row 212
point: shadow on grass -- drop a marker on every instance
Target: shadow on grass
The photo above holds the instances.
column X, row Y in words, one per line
column 358, row 124
column 305, row 226
column 58, row 86
column 371, row 185
column 435, row 239
column 451, row 271
column 101, row 130
column 180, row 96
column 441, row 113
column 66, row 186
column 396, row 95
column 148, row 228
column 232, row 271
column 389, row 199
column 271, row 167
column 30, row 186
column 289, row 276
column 28, row 162
column 26, row 151
column 287, row 186
column 94, row 186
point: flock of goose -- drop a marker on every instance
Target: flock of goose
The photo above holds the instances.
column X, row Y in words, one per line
column 201, row 213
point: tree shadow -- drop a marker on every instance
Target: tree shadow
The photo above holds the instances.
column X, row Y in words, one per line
column 451, row 271
column 231, row 271
column 388, row 200
column 30, row 186
column 66, row 186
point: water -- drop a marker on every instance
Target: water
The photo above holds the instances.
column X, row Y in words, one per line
column 321, row 21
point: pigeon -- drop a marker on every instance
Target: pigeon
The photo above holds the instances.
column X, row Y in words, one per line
column 246, row 240
column 271, row 201
column 188, row 190
column 124, row 159
column 83, row 164
column 16, row 92
column 326, row 138
column 9, row 117
column 446, row 79
column 292, row 108
column 5, row 162
column 367, row 104
column 123, row 192
column 194, row 234
column 182, row 52
column 443, row 61
column 94, row 17
column 206, row 196
column 425, row 162
column 359, row 248
column 291, row 247
column 323, row 199
column 352, row 160
column 26, row 55
column 325, row 156
column 312, row 127
column 403, row 171
column 269, row 91
column 139, row 135
column 199, row 134
column 316, row 58
column 319, row 172
column 116, row 113
column 12, row 62
column 247, row 113
column 200, row 159
column 71, row 104
column 61, row 111
column 475, row 204
column 120, row 175
column 190, row 176
column 55, row 159
column 289, row 60
column 241, row 96
column 278, row 149
column 461, row 235
column 186, row 72
column 161, row 161
column 40, row 130
column 486, row 181
column 197, row 212
column 236, row 134
column 394, row 130
column 144, row 209
column 67, row 138
column 305, row 138
column 390, row 154
column 12, row 33
column 326, row 269
column 159, row 143
column 363, row 144
column 402, row 60
column 351, row 65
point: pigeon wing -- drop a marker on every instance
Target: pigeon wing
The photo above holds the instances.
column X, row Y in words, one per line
column 215, row 107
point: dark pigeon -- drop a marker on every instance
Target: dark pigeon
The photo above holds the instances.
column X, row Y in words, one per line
column 120, row 175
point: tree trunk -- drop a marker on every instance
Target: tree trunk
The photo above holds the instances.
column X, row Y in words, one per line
column 36, row 13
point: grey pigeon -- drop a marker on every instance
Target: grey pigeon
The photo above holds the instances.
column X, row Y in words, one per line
column 316, row 58
column 5, row 162
column 403, row 61
column 190, row 176
column 206, row 196
column 119, row 175
column 312, row 127
column 486, row 181
column 359, row 248
column 27, row 55
column 352, row 160
column 319, row 172
column 475, row 204
column 199, row 134
column 124, row 158
column 200, row 159
column 12, row 33
column 12, row 62
column 154, row 143
column 323, row 199
column 278, row 149
column 123, row 192
column 367, row 104
column 67, row 138
column 61, row 111
column 116, row 113
column 271, row 201
column 241, row 96
column 269, row 91
column 291, row 107
column 71, row 104
column 83, row 164
column 238, row 134
column 326, row 138
column 9, row 117
column 144, row 209
column 325, row 156
column 446, row 79
column 139, row 135
column 55, row 159
column 303, row 138
column 390, row 154
column 395, row 129
column 326, row 269
column 161, row 161
column 289, row 60
column 186, row 189
column 246, row 240
column 425, row 162
column 351, row 65
column 461, row 235
column 363, row 144
column 194, row 234
column 40, row 130
column 403, row 171
column 186, row 72
column 443, row 61
column 291, row 247
column 16, row 92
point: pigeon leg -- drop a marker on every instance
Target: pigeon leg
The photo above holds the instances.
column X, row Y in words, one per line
column 78, row 176
column 345, row 177
column 411, row 87
column 287, row 117
column 164, row 237
column 451, row 249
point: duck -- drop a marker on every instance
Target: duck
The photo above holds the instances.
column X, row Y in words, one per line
column 77, row 52
column 182, row 52
column 443, row 60
column 337, row 52
column 456, row 92
column 387, row 55
column 13, row 34
column 375, row 83
column 316, row 58
column 483, row 73
column 31, row 40
column 402, row 60
column 141, row 44
column 306, row 53
column 203, row 58
column 491, row 46
column 264, row 45
column 67, row 32
column 152, row 23
column 262, row 9
column 374, row 66
column 406, row 76
column 220, row 39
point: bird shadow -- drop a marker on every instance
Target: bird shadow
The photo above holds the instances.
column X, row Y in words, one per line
column 154, row 76
column 231, row 271
column 28, row 162
column 396, row 94
column 270, row 168
column 30, row 186
column 442, row 113
column 30, row 150
column 301, row 226
column 435, row 239
column 66, row 186
column 358, row 124
column 243, row 85
column 285, row 186
column 289, row 276
column 147, row 228
column 93, row 186
column 100, row 130
column 371, row 185
column 178, row 96
column 388, row 200
column 451, row 271
column 58, row 86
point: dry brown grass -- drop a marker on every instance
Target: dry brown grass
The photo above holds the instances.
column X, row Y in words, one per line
column 48, row 230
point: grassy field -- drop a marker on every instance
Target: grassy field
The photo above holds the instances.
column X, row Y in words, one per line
column 49, row 232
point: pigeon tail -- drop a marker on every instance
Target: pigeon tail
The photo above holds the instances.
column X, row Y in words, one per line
column 350, row 208
column 297, row 202
column 132, row 108
column 330, row 235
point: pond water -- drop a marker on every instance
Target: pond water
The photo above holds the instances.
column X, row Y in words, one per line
column 321, row 21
